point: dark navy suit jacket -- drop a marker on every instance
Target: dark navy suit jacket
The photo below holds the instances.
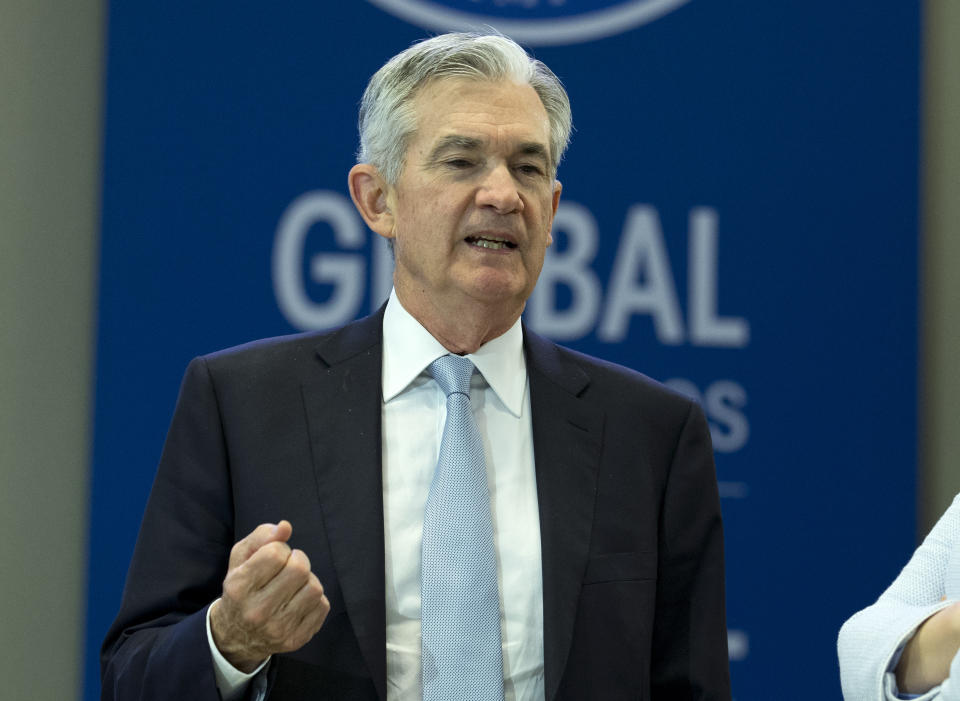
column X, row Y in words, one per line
column 632, row 546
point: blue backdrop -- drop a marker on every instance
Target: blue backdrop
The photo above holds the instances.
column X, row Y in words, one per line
column 739, row 218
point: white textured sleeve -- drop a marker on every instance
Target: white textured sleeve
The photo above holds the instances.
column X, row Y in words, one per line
column 871, row 638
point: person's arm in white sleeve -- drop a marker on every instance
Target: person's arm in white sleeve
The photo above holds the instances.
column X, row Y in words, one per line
column 872, row 638
column 928, row 656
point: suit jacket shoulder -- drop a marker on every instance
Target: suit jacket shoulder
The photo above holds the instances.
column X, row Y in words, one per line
column 290, row 354
column 611, row 387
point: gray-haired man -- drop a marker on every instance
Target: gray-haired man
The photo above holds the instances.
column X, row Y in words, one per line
column 600, row 510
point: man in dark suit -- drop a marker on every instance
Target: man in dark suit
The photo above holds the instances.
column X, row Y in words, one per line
column 280, row 552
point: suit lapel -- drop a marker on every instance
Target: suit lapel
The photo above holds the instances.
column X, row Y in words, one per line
column 567, row 434
column 343, row 408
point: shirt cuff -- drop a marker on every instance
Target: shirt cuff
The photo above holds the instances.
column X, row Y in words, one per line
column 231, row 682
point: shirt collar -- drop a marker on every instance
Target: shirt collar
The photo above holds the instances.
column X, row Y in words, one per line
column 408, row 349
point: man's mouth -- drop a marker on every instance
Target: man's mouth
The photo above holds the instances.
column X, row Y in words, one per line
column 492, row 242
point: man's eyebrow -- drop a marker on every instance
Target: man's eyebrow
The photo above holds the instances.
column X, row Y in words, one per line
column 533, row 148
column 471, row 143
column 455, row 141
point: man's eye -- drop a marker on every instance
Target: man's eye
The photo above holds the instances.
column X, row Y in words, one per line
column 530, row 169
column 458, row 163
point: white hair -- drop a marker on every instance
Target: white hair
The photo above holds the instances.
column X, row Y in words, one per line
column 387, row 118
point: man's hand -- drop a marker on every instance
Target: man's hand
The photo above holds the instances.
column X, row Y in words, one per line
column 271, row 600
column 927, row 656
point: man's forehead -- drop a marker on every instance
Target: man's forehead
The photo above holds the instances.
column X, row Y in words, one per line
column 459, row 111
column 449, row 93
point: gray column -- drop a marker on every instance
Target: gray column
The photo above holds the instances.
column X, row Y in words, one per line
column 50, row 104
column 940, row 263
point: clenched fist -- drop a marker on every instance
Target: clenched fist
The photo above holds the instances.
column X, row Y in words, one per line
column 271, row 600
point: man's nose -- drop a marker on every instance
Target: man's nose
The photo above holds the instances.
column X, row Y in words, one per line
column 499, row 191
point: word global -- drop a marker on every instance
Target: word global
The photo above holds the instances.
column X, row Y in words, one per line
column 641, row 282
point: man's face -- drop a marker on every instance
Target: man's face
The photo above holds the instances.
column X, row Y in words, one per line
column 473, row 206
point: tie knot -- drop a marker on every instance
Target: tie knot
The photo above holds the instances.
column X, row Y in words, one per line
column 452, row 373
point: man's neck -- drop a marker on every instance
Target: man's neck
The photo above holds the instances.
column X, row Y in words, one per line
column 463, row 328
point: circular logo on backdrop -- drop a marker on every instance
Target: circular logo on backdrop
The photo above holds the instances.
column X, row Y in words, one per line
column 532, row 22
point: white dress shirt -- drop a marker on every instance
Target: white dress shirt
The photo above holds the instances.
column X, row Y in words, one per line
column 414, row 411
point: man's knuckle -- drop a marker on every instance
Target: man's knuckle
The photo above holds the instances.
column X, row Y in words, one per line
column 255, row 617
column 232, row 588
column 299, row 568
column 273, row 555
column 273, row 630
column 279, row 549
column 299, row 559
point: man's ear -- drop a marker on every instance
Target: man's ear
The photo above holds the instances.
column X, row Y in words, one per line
column 557, row 188
column 371, row 193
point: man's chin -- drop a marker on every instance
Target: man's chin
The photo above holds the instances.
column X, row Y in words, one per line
column 495, row 288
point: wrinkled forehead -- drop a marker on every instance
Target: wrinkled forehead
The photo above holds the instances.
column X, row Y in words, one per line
column 448, row 103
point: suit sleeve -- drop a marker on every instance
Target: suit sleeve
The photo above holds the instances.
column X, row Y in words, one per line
column 871, row 638
column 690, row 658
column 157, row 646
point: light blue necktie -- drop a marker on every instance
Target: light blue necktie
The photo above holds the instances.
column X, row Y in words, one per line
column 460, row 605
